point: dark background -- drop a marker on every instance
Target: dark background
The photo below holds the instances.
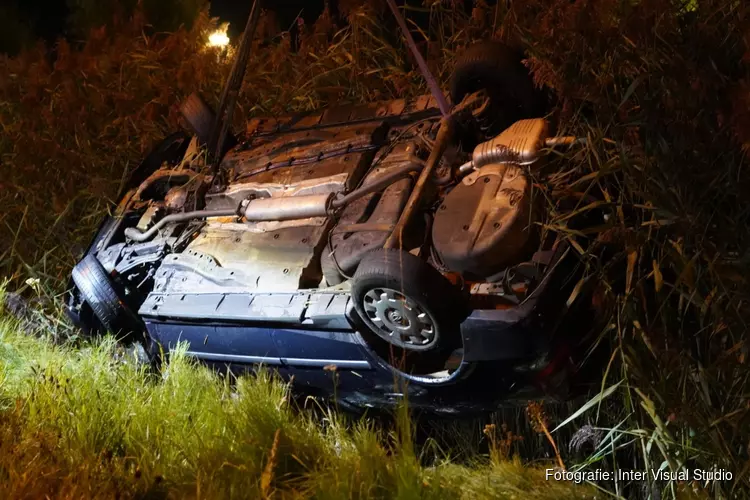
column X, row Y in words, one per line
column 24, row 21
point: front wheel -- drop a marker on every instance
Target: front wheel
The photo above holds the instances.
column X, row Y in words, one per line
column 201, row 117
column 99, row 293
column 411, row 311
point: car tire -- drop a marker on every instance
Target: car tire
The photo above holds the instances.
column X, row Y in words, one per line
column 201, row 118
column 397, row 294
column 96, row 288
column 497, row 69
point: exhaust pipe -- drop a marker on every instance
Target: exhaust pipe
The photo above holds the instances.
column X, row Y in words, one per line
column 135, row 234
column 288, row 208
column 263, row 209
column 284, row 208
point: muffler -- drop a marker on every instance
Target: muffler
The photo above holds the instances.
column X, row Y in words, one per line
column 288, row 208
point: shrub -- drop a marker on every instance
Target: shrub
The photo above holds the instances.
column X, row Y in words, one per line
column 659, row 88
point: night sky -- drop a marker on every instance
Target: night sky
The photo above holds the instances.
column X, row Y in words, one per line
column 236, row 12
column 29, row 20
column 48, row 16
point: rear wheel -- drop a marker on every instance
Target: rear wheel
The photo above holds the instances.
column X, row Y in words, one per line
column 497, row 69
column 412, row 313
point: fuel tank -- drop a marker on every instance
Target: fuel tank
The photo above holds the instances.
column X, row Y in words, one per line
column 485, row 222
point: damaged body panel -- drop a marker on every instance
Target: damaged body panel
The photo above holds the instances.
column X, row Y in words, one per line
column 284, row 257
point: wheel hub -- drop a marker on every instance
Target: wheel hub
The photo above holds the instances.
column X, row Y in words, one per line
column 399, row 319
column 395, row 316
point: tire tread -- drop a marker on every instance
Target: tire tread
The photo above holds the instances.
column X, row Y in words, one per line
column 95, row 287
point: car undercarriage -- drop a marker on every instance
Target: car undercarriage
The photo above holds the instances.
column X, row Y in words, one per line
column 383, row 237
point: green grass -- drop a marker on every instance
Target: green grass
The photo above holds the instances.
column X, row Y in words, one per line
column 660, row 89
column 84, row 422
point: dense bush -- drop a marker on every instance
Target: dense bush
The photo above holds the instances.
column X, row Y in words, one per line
column 659, row 87
column 76, row 123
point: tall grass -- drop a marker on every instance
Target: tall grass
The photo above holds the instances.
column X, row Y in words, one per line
column 654, row 87
column 88, row 423
column 658, row 87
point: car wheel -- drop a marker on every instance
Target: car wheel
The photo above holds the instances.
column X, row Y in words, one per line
column 412, row 312
column 201, row 117
column 97, row 289
column 497, row 69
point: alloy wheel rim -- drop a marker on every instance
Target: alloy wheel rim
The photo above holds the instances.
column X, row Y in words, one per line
column 399, row 319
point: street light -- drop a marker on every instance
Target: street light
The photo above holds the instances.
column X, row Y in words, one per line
column 219, row 38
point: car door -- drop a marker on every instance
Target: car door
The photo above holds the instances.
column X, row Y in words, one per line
column 325, row 360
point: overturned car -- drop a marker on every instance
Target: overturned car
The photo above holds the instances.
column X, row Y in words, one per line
column 372, row 252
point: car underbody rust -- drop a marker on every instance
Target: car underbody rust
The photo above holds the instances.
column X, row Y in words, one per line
column 382, row 238
column 445, row 131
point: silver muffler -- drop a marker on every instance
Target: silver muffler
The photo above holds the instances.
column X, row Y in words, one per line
column 262, row 209
column 518, row 144
column 287, row 207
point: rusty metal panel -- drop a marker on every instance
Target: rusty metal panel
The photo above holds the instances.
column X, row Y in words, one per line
column 365, row 111
column 266, row 124
column 396, row 107
column 337, row 114
column 309, row 121
column 485, row 222
column 420, row 103
column 297, row 156
column 423, row 102
column 348, row 249
column 269, row 125
column 252, row 127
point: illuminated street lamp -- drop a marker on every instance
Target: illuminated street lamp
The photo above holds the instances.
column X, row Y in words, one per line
column 219, row 38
